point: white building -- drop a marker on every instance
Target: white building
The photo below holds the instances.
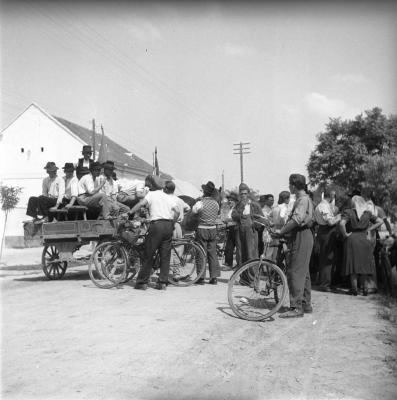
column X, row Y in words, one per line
column 36, row 137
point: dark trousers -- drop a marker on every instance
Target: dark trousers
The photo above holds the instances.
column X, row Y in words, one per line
column 261, row 244
column 326, row 237
column 246, row 243
column 40, row 206
column 230, row 244
column 159, row 237
column 207, row 239
column 299, row 284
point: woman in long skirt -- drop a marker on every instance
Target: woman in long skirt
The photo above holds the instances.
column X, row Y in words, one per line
column 355, row 224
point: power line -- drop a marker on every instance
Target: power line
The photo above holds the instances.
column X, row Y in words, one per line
column 241, row 148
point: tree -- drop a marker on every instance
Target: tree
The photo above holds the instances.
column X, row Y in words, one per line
column 347, row 152
column 9, row 197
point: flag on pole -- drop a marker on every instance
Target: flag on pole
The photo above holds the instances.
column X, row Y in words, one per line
column 103, row 153
column 156, row 170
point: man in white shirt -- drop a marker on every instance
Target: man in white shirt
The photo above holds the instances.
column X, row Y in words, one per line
column 90, row 194
column 326, row 239
column 71, row 186
column 110, row 188
column 53, row 190
column 163, row 213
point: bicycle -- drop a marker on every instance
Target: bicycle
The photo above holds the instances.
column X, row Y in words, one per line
column 258, row 288
column 118, row 261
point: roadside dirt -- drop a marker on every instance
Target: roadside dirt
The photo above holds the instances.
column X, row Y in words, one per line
column 70, row 340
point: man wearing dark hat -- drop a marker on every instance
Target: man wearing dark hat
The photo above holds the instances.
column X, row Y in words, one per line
column 246, row 233
column 86, row 161
column 300, row 243
column 207, row 209
column 110, row 189
column 90, row 194
column 71, row 186
column 52, row 195
column 163, row 213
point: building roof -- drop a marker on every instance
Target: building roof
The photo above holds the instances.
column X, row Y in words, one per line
column 123, row 158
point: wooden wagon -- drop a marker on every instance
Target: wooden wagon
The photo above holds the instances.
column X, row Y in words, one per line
column 62, row 239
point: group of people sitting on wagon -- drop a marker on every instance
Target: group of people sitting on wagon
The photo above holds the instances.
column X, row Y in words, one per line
column 99, row 193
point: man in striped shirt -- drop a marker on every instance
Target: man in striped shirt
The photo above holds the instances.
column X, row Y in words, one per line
column 207, row 209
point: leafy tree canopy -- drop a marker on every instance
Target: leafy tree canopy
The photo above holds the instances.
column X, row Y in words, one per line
column 358, row 154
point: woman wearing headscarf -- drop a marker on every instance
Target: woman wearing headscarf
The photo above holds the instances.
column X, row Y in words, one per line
column 355, row 224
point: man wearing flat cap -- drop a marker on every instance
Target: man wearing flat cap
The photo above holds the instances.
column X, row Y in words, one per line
column 246, row 234
column 52, row 195
column 86, row 161
column 207, row 209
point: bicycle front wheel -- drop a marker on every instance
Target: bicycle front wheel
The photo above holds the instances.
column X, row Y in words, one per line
column 108, row 265
column 257, row 290
column 187, row 263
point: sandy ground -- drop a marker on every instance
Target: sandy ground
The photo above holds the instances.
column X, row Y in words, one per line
column 68, row 339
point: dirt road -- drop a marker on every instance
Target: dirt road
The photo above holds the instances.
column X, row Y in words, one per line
column 69, row 340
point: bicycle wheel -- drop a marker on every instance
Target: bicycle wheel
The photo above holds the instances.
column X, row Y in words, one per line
column 187, row 263
column 108, row 265
column 257, row 290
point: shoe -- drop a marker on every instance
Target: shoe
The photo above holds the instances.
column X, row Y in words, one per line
column 292, row 313
column 213, row 281
column 353, row 292
column 365, row 292
column 200, row 281
column 161, row 286
column 141, row 286
column 307, row 309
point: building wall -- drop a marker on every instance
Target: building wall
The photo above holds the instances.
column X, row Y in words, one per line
column 25, row 147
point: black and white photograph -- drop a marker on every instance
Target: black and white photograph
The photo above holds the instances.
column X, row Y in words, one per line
column 198, row 200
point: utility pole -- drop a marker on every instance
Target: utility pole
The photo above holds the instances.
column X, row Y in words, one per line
column 241, row 148
column 93, row 138
column 223, row 182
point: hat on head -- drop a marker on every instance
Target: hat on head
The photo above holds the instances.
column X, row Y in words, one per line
column 208, row 188
column 232, row 196
column 95, row 165
column 51, row 166
column 355, row 192
column 109, row 165
column 87, row 149
column 68, row 167
column 243, row 186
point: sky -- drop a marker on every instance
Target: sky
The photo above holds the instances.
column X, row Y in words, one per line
column 196, row 78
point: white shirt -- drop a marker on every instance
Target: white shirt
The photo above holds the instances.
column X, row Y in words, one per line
column 160, row 205
column 71, row 187
column 181, row 205
column 324, row 215
column 54, row 188
column 279, row 215
column 86, row 184
column 110, row 187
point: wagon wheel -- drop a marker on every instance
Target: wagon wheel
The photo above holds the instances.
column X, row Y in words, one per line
column 52, row 267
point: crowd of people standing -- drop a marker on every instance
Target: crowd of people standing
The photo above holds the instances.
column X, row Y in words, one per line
column 326, row 243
